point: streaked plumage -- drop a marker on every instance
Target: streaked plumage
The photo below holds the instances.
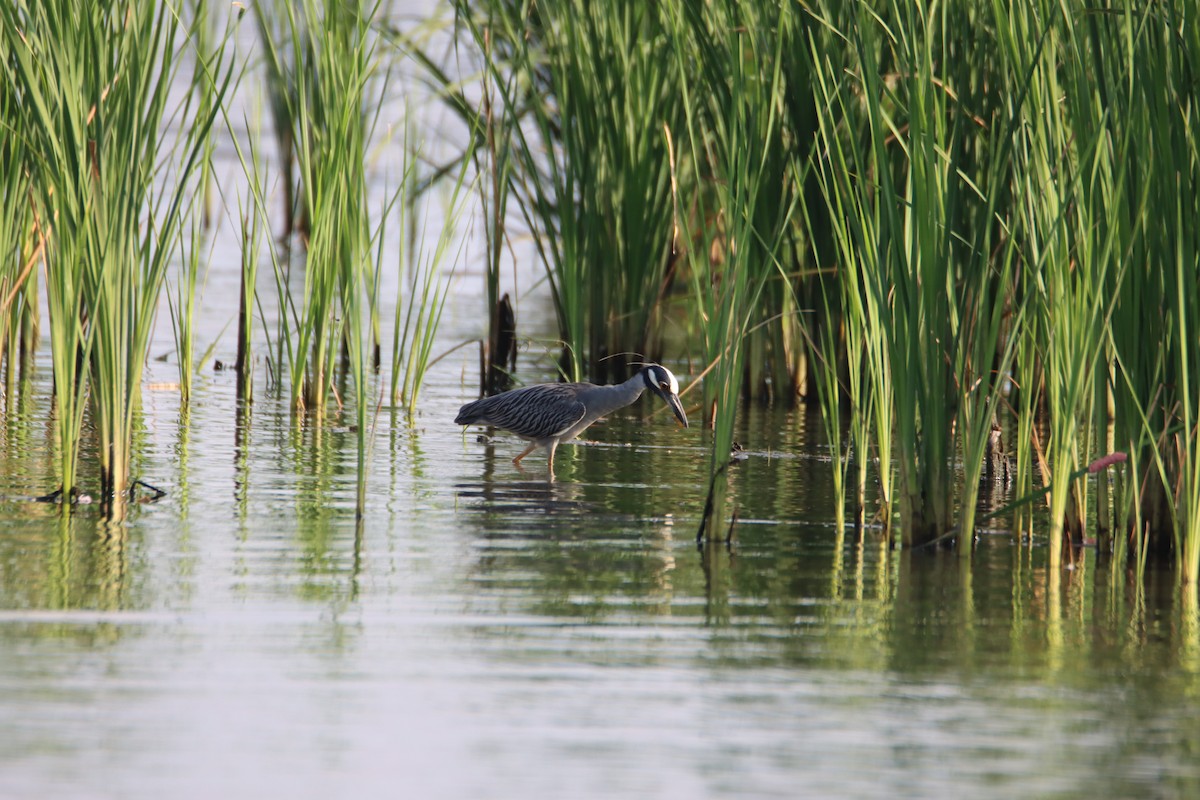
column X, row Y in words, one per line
column 550, row 413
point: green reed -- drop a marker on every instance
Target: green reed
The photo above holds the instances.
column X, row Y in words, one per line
column 203, row 33
column 778, row 355
column 988, row 305
column 898, row 190
column 913, row 169
column 735, row 135
column 108, row 190
column 1087, row 171
column 854, row 230
column 415, row 330
column 1152, row 99
column 1027, row 53
column 983, row 358
column 200, row 103
column 253, row 219
column 590, row 171
column 181, row 301
column 493, row 126
column 850, row 372
column 281, row 90
column 251, row 235
column 324, row 58
column 497, row 171
column 826, row 351
column 55, row 210
column 18, row 279
column 328, row 78
column 1072, row 164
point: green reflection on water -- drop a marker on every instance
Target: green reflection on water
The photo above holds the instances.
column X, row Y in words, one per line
column 598, row 570
column 55, row 561
column 612, row 540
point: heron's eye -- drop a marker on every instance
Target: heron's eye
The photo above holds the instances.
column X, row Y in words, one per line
column 664, row 386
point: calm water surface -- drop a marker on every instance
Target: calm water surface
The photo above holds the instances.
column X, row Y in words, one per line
column 485, row 634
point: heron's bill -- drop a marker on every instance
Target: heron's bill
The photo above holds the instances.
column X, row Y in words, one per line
column 677, row 408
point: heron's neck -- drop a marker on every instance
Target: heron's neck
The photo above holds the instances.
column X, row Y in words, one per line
column 606, row 399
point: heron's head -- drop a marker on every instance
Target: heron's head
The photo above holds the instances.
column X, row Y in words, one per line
column 660, row 381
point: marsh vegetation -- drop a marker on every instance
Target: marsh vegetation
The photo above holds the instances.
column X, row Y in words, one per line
column 965, row 233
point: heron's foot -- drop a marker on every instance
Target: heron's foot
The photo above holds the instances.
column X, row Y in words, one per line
column 522, row 454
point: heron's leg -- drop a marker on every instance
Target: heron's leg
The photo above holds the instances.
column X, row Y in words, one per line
column 524, row 453
column 550, row 458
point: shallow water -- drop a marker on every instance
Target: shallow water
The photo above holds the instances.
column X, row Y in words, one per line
column 486, row 634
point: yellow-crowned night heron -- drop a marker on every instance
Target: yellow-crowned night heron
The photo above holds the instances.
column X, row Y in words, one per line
column 551, row 413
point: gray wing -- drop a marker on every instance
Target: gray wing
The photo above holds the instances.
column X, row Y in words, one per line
column 535, row 412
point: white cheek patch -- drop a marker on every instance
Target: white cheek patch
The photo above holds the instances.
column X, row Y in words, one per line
column 674, row 383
